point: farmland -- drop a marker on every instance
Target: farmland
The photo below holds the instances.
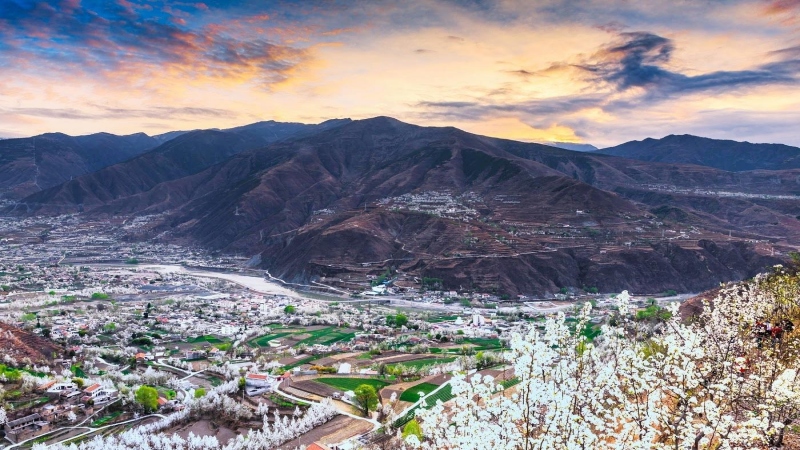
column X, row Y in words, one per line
column 300, row 336
column 206, row 339
column 426, row 362
column 349, row 384
column 411, row 395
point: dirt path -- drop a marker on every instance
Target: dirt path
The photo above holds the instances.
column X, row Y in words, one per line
column 339, row 429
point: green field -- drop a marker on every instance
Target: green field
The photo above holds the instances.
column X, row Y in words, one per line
column 411, row 395
column 444, row 394
column 441, row 319
column 426, row 362
column 484, row 344
column 324, row 336
column 350, row 384
column 205, row 339
column 300, row 362
column 263, row 341
column 106, row 419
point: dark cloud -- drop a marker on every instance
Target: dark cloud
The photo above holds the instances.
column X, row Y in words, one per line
column 521, row 73
column 635, row 60
column 478, row 110
column 639, row 60
column 789, row 52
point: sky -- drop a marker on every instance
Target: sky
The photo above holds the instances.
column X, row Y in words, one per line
column 592, row 71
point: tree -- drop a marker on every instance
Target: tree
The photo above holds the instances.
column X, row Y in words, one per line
column 110, row 327
column 147, row 397
column 400, row 320
column 412, row 428
column 199, row 392
column 289, row 309
column 78, row 382
column 726, row 379
column 366, row 398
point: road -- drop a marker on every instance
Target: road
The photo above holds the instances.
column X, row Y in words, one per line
column 88, row 432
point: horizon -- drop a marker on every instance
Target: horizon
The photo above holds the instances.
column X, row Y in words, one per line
column 598, row 72
column 409, row 123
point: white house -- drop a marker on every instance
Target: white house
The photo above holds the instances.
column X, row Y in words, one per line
column 60, row 388
column 344, row 368
column 258, row 380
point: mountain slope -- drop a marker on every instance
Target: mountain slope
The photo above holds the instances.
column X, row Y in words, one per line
column 481, row 213
column 721, row 154
column 576, row 147
column 477, row 212
column 28, row 165
column 186, row 154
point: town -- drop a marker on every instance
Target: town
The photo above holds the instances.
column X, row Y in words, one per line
column 155, row 338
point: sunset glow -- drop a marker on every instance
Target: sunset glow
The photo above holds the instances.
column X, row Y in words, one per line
column 601, row 72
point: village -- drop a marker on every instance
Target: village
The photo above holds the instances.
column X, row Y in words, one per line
column 96, row 348
column 103, row 336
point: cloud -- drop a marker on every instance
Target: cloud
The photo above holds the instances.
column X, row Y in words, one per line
column 640, row 59
column 485, row 108
column 103, row 112
column 521, row 73
column 54, row 113
column 128, row 39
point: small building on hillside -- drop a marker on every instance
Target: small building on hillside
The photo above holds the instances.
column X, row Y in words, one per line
column 258, row 380
column 26, row 428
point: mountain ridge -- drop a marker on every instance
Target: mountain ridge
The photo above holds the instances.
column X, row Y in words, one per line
column 722, row 154
column 475, row 211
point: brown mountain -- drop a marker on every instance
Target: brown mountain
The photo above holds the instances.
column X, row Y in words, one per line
column 722, row 154
column 477, row 212
column 29, row 165
column 185, row 154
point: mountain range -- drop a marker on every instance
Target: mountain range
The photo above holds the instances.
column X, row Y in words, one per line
column 721, row 154
column 28, row 165
column 342, row 200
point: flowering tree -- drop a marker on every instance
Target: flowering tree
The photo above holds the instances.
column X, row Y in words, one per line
column 725, row 379
column 151, row 437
